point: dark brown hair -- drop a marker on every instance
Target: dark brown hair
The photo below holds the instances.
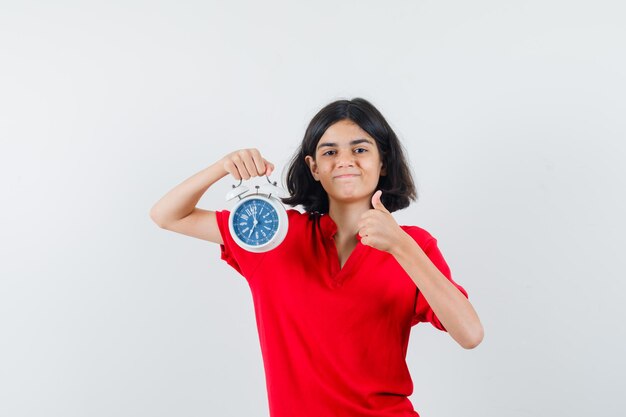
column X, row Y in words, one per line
column 397, row 186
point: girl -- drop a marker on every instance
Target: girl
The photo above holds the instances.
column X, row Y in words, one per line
column 335, row 302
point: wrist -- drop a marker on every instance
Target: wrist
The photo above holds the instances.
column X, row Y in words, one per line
column 217, row 169
column 405, row 245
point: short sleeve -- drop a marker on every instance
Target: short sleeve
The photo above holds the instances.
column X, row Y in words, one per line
column 423, row 311
column 241, row 260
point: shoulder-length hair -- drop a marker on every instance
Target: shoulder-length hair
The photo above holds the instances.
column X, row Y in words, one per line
column 397, row 185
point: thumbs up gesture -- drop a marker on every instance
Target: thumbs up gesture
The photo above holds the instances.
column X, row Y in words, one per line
column 378, row 228
column 377, row 204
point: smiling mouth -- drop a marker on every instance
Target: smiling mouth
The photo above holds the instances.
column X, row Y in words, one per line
column 346, row 176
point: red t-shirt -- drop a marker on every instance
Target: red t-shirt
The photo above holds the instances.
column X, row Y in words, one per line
column 333, row 339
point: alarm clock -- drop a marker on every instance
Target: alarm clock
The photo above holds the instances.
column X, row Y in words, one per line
column 258, row 221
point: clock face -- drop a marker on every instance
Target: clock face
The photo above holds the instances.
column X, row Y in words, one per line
column 255, row 221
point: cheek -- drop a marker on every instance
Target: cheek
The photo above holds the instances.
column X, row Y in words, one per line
column 324, row 168
column 375, row 167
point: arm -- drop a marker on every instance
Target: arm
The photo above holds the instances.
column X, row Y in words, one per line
column 452, row 308
column 177, row 211
column 378, row 229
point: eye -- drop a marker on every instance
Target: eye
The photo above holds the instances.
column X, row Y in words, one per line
column 360, row 150
column 329, row 153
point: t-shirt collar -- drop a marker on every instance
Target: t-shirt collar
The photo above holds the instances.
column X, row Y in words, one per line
column 329, row 227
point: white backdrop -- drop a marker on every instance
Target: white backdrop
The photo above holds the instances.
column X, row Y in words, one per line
column 513, row 117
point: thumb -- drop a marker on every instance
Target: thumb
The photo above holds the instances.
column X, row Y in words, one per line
column 376, row 203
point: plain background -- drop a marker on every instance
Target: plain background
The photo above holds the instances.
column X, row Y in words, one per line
column 512, row 114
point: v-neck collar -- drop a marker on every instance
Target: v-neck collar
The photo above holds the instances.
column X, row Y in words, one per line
column 336, row 272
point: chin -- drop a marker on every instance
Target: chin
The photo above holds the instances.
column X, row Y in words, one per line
column 348, row 198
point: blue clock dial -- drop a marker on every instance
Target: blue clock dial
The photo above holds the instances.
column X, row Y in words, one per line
column 255, row 222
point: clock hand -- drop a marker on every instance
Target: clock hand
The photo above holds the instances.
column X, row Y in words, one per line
column 254, row 213
column 254, row 223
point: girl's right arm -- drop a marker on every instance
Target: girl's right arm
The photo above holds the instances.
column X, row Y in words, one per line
column 176, row 211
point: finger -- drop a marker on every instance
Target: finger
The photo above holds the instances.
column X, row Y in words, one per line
column 259, row 162
column 269, row 167
column 231, row 168
column 368, row 220
column 241, row 167
column 376, row 203
column 249, row 165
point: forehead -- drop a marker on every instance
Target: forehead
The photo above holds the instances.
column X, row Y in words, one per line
column 343, row 132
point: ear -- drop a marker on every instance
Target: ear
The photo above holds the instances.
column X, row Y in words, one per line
column 383, row 169
column 312, row 166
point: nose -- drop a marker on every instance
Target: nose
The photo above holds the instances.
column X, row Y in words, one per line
column 345, row 159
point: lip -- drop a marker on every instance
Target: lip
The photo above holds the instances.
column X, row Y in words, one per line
column 345, row 176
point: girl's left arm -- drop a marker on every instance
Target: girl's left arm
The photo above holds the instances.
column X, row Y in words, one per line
column 379, row 230
column 450, row 306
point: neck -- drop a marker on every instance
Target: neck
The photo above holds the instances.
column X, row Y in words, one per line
column 346, row 216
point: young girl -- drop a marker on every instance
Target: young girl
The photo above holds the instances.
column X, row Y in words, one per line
column 335, row 302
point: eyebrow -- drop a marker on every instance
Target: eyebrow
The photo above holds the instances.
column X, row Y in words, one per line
column 352, row 143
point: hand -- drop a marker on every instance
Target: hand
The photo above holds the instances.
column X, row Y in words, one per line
column 378, row 228
column 246, row 164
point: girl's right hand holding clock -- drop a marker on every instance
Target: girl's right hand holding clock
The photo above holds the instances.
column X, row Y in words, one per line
column 246, row 164
column 177, row 211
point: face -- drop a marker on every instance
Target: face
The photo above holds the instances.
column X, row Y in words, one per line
column 347, row 163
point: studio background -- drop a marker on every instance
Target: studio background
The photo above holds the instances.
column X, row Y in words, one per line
column 512, row 114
